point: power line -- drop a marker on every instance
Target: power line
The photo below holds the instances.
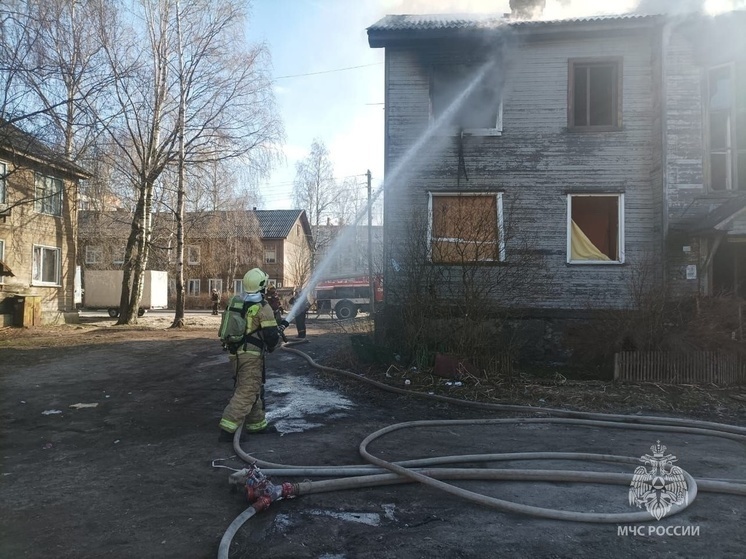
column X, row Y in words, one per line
column 328, row 71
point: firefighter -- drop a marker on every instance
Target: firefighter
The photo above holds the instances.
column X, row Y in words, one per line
column 300, row 317
column 262, row 336
column 274, row 301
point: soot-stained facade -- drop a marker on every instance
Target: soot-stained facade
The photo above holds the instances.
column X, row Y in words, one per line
column 572, row 154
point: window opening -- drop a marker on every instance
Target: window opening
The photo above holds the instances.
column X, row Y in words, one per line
column 480, row 110
column 595, row 229
column 595, row 94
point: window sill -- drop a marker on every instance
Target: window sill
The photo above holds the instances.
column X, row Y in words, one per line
column 479, row 132
column 471, row 263
column 44, row 284
column 594, row 263
column 592, row 129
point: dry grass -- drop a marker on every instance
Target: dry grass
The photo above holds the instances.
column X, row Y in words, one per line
column 724, row 404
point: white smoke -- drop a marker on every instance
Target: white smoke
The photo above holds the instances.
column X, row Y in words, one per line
column 563, row 9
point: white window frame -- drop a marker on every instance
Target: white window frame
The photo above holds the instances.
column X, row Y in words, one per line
column 3, row 185
column 193, row 287
column 620, row 236
column 214, row 283
column 193, row 250
column 37, row 270
column 238, row 286
column 48, row 195
column 2, row 257
column 270, row 259
column 499, row 217
column 94, row 255
column 118, row 257
column 497, row 130
column 732, row 151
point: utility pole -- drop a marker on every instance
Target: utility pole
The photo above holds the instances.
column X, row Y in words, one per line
column 372, row 306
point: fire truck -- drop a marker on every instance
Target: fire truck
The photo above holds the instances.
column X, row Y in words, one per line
column 347, row 295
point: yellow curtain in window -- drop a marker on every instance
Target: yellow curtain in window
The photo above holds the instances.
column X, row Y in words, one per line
column 581, row 246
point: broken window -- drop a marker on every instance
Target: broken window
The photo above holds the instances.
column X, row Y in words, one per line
column 595, row 228
column 595, row 94
column 727, row 128
column 466, row 228
column 480, row 109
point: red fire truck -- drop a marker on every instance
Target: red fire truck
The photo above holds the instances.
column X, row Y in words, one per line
column 347, row 295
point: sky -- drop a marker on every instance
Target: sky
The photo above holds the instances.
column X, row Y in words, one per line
column 329, row 83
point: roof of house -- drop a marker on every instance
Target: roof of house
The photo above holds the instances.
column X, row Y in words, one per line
column 481, row 21
column 17, row 142
column 272, row 224
column 407, row 27
column 708, row 216
column 277, row 224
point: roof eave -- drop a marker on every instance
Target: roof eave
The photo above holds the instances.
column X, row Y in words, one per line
column 68, row 168
column 381, row 38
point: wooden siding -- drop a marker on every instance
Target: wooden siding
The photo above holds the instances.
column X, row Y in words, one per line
column 536, row 162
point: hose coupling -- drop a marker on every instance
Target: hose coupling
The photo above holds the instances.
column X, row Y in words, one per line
column 259, row 488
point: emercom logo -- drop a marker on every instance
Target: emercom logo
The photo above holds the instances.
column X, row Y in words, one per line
column 660, row 487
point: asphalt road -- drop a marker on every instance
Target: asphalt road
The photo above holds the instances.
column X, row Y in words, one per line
column 134, row 476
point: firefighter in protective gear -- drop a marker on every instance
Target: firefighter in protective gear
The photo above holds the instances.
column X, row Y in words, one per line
column 262, row 336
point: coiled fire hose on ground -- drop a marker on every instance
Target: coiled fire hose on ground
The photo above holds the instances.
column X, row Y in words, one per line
column 382, row 472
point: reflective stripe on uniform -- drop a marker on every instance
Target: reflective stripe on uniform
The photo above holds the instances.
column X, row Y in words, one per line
column 269, row 323
column 254, row 427
column 250, row 352
column 228, row 425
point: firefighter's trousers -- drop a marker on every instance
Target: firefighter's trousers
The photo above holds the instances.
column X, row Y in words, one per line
column 248, row 396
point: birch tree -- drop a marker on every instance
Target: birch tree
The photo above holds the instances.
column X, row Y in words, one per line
column 315, row 191
column 226, row 107
column 144, row 133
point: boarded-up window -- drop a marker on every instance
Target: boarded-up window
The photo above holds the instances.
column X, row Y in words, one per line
column 595, row 228
column 595, row 94
column 477, row 109
column 465, row 228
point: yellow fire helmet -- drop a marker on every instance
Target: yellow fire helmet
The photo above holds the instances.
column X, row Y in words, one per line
column 255, row 281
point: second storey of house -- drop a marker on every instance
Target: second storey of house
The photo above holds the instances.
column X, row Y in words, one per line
column 548, row 132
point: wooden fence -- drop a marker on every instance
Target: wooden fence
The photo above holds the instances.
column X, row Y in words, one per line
column 697, row 367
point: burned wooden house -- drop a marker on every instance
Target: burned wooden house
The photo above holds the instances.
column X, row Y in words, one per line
column 578, row 155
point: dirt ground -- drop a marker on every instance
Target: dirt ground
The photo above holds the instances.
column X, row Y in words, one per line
column 135, row 475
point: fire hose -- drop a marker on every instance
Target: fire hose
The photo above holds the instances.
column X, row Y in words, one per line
column 261, row 492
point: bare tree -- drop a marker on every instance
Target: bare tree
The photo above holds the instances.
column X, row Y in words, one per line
column 315, row 190
column 144, row 133
column 226, row 108
column 459, row 276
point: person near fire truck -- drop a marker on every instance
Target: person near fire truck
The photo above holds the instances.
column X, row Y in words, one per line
column 300, row 316
column 262, row 336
